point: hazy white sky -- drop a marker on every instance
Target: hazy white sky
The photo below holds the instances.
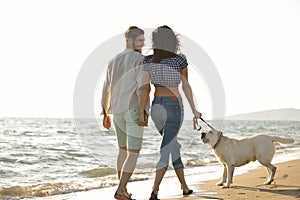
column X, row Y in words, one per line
column 254, row 45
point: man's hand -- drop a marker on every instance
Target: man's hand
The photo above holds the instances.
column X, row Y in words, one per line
column 107, row 122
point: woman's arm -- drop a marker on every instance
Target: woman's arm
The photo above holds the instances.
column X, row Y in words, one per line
column 145, row 91
column 188, row 92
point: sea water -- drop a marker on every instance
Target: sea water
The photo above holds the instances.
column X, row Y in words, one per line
column 45, row 157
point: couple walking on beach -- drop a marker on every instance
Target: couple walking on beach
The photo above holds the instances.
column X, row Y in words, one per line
column 126, row 95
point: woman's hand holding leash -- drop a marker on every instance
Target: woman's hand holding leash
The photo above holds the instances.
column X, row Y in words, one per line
column 198, row 127
column 197, row 114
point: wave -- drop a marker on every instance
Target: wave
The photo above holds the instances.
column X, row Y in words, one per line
column 93, row 179
column 57, row 188
column 49, row 189
column 198, row 162
column 98, row 172
column 63, row 132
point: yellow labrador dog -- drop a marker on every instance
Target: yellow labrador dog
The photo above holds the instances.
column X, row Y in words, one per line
column 234, row 153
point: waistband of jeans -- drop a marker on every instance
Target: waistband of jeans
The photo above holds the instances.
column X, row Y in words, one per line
column 167, row 98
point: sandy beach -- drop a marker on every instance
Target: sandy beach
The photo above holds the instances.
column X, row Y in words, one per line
column 249, row 185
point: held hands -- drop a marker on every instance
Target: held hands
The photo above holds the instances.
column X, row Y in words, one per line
column 143, row 119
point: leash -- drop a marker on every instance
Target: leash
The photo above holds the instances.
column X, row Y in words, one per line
column 207, row 124
column 198, row 127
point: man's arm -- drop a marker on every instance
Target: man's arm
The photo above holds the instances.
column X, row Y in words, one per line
column 105, row 101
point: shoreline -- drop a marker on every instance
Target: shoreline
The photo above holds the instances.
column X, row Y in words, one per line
column 247, row 184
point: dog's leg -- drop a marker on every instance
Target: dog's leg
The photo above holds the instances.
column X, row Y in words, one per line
column 271, row 170
column 223, row 179
column 230, row 170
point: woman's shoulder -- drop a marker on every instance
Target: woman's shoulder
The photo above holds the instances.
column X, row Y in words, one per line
column 181, row 60
column 181, row 56
column 148, row 59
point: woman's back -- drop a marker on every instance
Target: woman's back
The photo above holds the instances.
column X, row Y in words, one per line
column 167, row 73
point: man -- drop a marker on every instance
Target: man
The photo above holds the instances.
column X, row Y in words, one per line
column 120, row 97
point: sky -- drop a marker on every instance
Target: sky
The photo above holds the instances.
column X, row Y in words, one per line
column 254, row 46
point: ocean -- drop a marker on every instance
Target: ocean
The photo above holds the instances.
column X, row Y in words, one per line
column 45, row 157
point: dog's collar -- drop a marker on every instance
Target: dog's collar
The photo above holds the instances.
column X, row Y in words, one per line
column 218, row 141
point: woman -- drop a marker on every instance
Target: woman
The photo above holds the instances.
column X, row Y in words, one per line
column 166, row 69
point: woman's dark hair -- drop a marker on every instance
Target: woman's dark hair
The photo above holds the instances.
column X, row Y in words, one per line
column 165, row 43
column 133, row 32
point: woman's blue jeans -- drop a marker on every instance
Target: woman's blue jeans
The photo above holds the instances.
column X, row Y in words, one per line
column 167, row 115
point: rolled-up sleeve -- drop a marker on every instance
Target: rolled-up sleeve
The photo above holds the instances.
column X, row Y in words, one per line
column 106, row 91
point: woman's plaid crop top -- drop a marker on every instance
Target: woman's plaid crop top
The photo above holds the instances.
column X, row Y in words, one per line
column 167, row 73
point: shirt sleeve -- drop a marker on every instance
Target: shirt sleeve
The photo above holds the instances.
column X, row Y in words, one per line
column 106, row 92
column 182, row 61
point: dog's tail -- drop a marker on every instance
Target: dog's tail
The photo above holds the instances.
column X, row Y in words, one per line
column 282, row 140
